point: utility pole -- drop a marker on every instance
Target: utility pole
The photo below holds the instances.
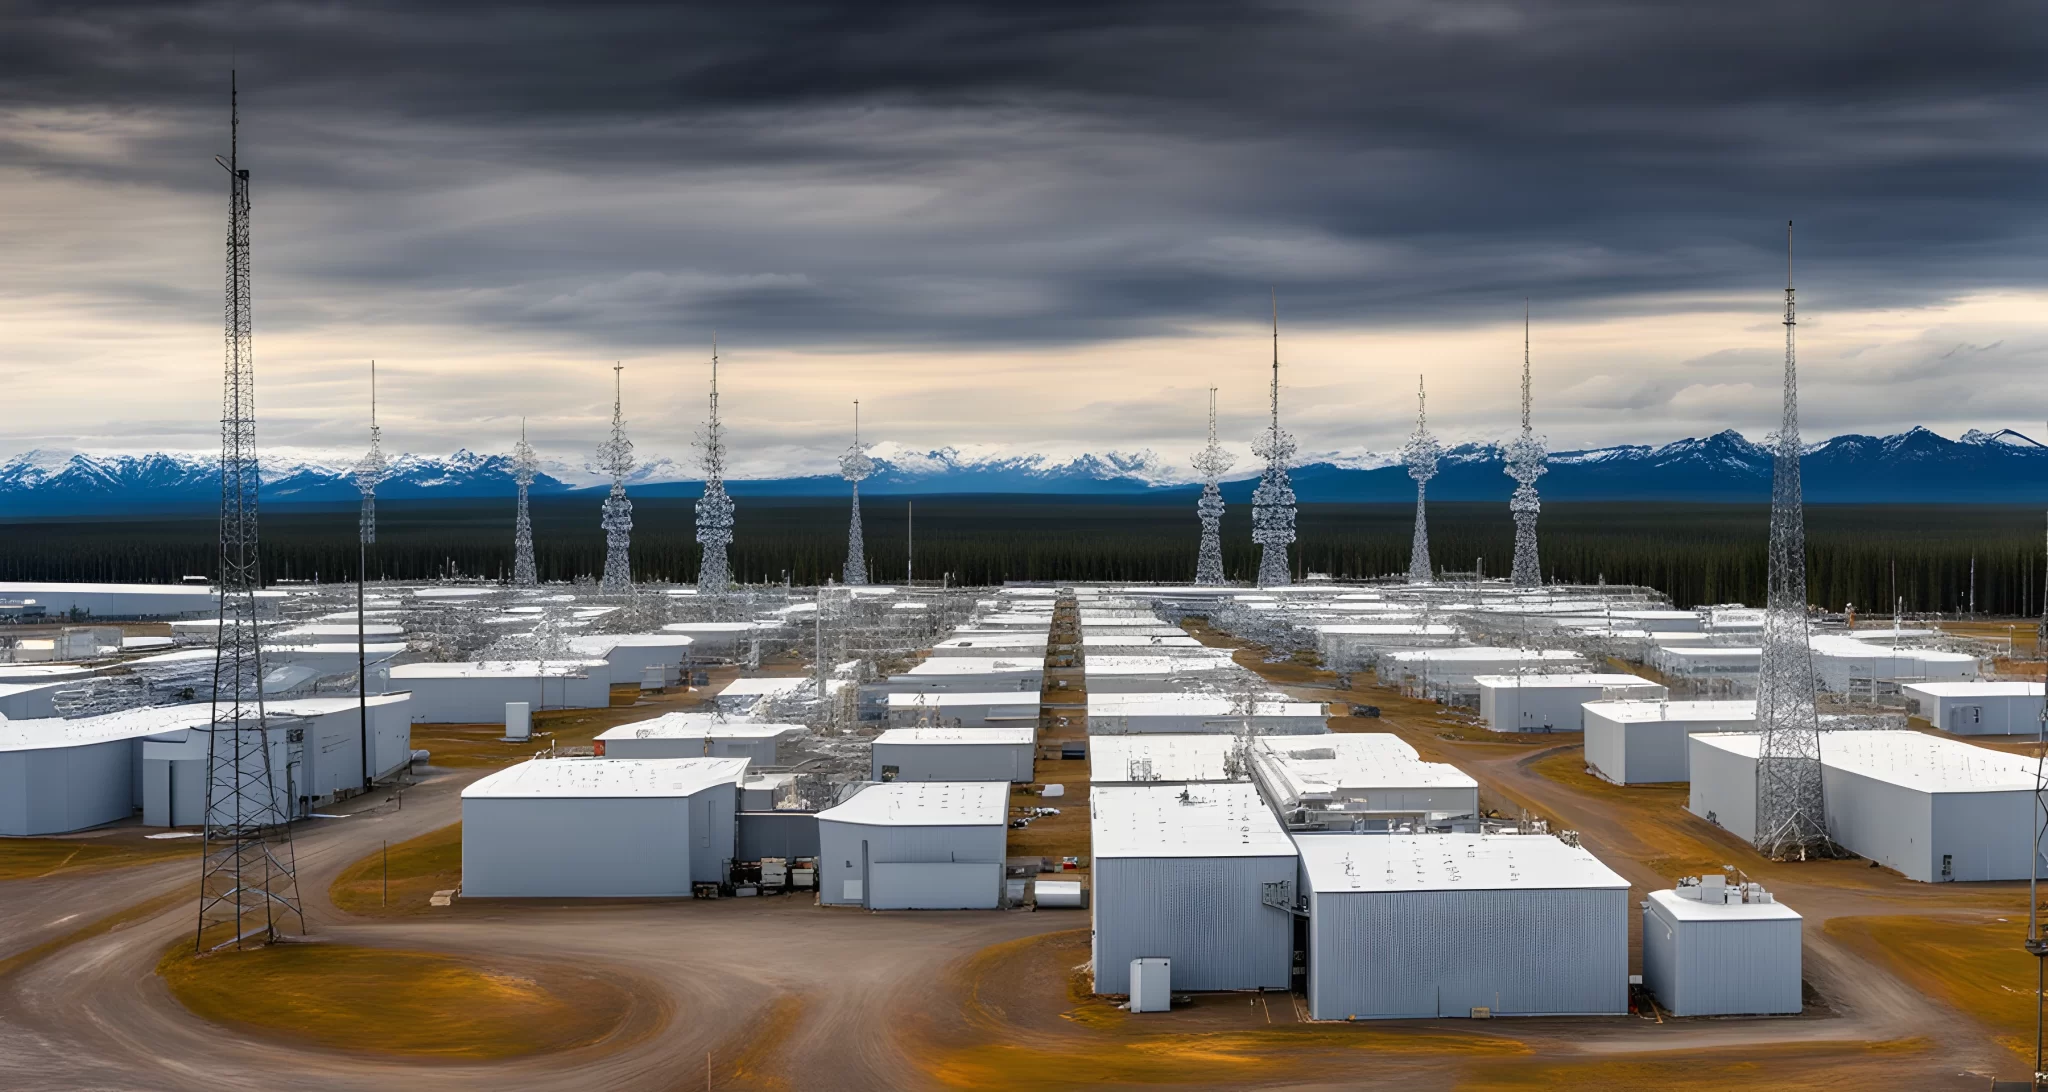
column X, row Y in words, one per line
column 368, row 472
column 909, row 542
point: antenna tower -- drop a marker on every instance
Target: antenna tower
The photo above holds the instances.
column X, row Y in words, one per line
column 369, row 471
column 617, row 521
column 1791, row 822
column 714, row 508
column 853, row 466
column 1273, row 499
column 525, row 464
column 2036, row 942
column 246, row 874
column 1525, row 458
column 1212, row 461
column 1421, row 455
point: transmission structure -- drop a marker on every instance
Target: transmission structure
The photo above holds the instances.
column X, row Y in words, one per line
column 1791, row 823
column 1273, row 499
column 714, row 508
column 853, row 466
column 525, row 464
column 369, row 471
column 1420, row 456
column 617, row 458
column 1212, row 461
column 247, row 876
column 1524, row 463
column 2037, row 943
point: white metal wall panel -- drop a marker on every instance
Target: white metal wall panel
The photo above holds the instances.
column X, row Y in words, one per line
column 60, row 789
column 1723, row 788
column 482, row 700
column 761, row 752
column 547, row 847
column 1995, row 715
column 1207, row 914
column 1985, row 833
column 840, row 851
column 1888, row 823
column 1607, row 747
column 935, row 885
column 1528, row 952
column 1722, row 968
column 954, row 761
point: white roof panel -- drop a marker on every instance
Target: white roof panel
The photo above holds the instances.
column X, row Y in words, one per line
column 701, row 726
column 1614, row 681
column 495, row 669
column 1004, row 735
column 1912, row 760
column 1161, row 757
column 925, row 804
column 607, row 778
column 1336, row 863
column 1223, row 819
column 1684, row 909
column 1633, row 712
column 1976, row 688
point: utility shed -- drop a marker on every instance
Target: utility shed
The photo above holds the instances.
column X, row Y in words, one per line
column 1550, row 703
column 1712, row 949
column 599, row 827
column 1359, row 779
column 694, row 735
column 1428, row 925
column 1987, row 708
column 1639, row 742
column 1141, row 713
column 1144, row 759
column 1185, row 872
column 915, row 845
column 955, row 754
column 1936, row 809
column 965, row 709
column 476, row 693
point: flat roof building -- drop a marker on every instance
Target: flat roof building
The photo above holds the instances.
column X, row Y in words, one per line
column 1640, row 742
column 915, row 845
column 1151, row 758
column 1141, row 713
column 1358, row 780
column 955, row 754
column 1550, row 703
column 476, row 692
column 698, row 735
column 1711, row 948
column 1988, row 707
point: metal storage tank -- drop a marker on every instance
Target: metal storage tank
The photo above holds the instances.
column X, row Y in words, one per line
column 916, row 845
column 955, row 754
column 1551, row 703
column 1184, row 872
column 600, row 827
column 1428, row 925
column 1978, row 708
column 1712, row 949
column 1637, row 742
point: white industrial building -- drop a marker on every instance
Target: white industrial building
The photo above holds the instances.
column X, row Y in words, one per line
column 955, row 754
column 65, row 775
column 1734, row 665
column 1145, row 759
column 698, row 735
column 1431, row 670
column 1977, row 708
column 115, row 600
column 324, row 761
column 1429, row 925
column 1364, row 780
column 1935, row 809
column 30, row 700
column 1018, row 644
column 1550, row 703
column 1184, row 872
column 1346, row 642
column 972, row 674
column 1659, row 621
column 1181, row 713
column 1846, row 665
column 915, row 845
column 1642, row 742
column 600, row 827
column 631, row 655
column 1712, row 949
column 476, row 693
column 746, row 695
column 964, row 709
column 1157, row 674
column 725, row 639
column 1095, row 642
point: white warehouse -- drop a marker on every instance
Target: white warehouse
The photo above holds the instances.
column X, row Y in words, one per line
column 600, row 827
column 697, row 735
column 1710, row 949
column 1550, row 703
column 915, row 845
column 1935, row 809
column 1428, row 925
column 1639, row 742
column 972, row 674
column 1364, row 779
column 964, row 708
column 632, row 654
column 955, row 754
column 1181, row 713
column 476, row 693
column 1144, row 759
column 1182, row 872
column 1987, row 708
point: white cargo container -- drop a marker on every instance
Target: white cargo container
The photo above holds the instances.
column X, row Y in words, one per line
column 1550, row 703
column 915, row 845
column 1977, row 708
column 955, row 754
column 1715, row 949
column 1641, row 742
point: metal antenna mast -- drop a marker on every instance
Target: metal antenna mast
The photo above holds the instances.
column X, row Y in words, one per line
column 369, row 471
column 853, row 466
column 1791, row 821
column 714, row 508
column 1212, row 461
column 2036, row 943
column 1273, row 499
column 1525, row 464
column 617, row 521
column 246, row 877
column 524, row 466
column 1420, row 455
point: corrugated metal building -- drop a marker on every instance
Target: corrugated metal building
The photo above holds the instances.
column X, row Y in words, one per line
column 1346, row 779
column 1845, row 664
column 1145, row 759
column 631, row 654
column 600, row 827
column 971, row 674
column 476, row 693
column 964, row 709
column 1427, row 925
column 1710, row 949
column 1157, row 674
column 1977, row 708
column 1112, row 713
column 1183, row 872
column 1550, row 703
column 955, row 754
column 916, row 845
column 1639, row 742
column 697, row 735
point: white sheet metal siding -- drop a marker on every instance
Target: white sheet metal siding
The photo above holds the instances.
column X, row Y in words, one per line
column 482, row 700
column 955, row 761
column 545, row 847
column 1207, row 914
column 1984, row 833
column 1645, row 752
column 759, row 751
column 932, row 885
column 1392, row 954
column 1985, row 715
column 59, row 789
column 1723, row 788
column 1551, row 708
column 843, row 847
column 1721, row 968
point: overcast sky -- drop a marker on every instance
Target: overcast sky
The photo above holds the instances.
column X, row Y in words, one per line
column 1022, row 226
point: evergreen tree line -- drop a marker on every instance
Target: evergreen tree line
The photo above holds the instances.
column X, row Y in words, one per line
column 1864, row 555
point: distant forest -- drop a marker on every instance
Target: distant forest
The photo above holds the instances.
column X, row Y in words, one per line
column 1697, row 553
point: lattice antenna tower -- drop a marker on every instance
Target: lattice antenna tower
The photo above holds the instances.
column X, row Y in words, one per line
column 1421, row 455
column 1273, row 499
column 371, row 467
column 853, row 466
column 617, row 457
column 1212, row 461
column 1525, row 457
column 1790, row 820
column 714, row 508
column 525, row 465
column 2037, row 943
column 247, row 872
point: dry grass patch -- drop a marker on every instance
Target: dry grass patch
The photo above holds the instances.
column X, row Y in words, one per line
column 417, row 868
column 1974, row 963
column 1807, row 1066
column 34, row 858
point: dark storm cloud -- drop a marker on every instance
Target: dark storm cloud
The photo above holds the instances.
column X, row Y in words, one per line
column 1015, row 173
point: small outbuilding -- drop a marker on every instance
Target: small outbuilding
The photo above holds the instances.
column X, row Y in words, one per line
column 1640, row 742
column 1977, row 708
column 915, row 845
column 955, row 754
column 1715, row 949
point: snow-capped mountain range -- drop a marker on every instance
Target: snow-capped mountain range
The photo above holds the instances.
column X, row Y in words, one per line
column 1918, row 466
